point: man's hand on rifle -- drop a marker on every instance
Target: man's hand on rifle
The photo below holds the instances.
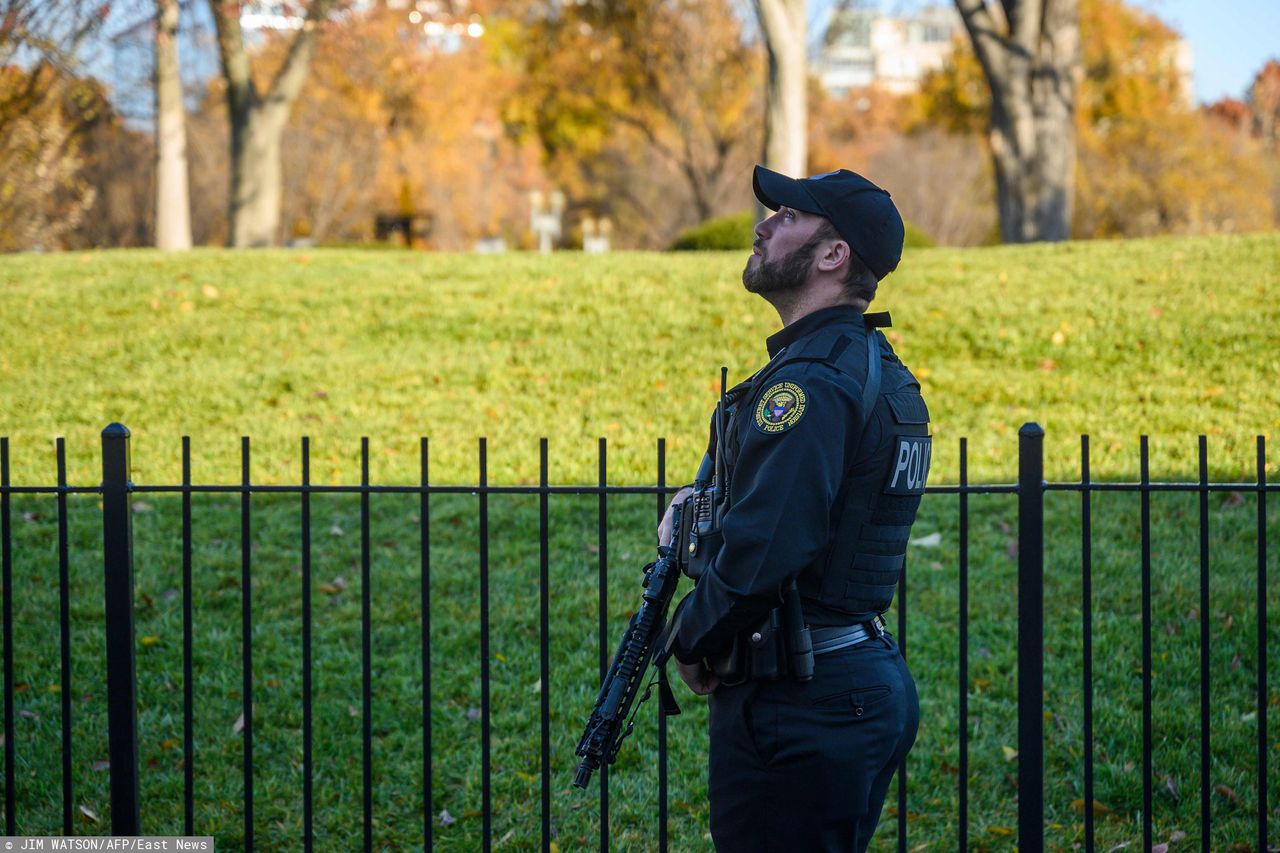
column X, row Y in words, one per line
column 664, row 529
column 700, row 679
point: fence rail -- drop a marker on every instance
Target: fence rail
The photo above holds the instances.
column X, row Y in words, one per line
column 116, row 491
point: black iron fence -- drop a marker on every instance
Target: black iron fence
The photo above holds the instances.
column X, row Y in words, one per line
column 117, row 491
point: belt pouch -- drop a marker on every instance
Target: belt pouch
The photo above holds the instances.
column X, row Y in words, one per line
column 729, row 667
column 768, row 653
column 705, row 547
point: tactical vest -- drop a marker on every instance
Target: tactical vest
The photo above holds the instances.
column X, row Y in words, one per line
column 881, row 492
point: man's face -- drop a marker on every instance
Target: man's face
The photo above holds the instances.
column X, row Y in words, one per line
column 783, row 252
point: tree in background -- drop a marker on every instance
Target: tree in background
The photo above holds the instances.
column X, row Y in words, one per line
column 173, row 207
column 644, row 110
column 44, row 108
column 783, row 24
column 1029, row 51
column 257, row 116
column 1148, row 161
column 939, row 175
column 1264, row 103
column 396, row 124
column 43, row 196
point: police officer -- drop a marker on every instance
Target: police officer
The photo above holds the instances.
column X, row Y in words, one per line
column 823, row 454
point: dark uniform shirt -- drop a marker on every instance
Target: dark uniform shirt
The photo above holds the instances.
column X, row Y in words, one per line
column 785, row 486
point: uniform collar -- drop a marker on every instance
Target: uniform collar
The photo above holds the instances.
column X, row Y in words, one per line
column 808, row 324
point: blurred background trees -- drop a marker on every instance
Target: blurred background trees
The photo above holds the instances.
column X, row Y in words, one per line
column 448, row 113
column 45, row 114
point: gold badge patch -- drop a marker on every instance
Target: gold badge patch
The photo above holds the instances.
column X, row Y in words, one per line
column 780, row 408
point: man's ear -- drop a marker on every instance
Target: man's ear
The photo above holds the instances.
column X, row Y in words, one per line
column 836, row 256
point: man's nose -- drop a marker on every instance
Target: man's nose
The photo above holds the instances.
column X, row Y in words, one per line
column 764, row 227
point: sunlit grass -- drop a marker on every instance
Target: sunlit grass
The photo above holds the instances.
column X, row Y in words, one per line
column 1171, row 337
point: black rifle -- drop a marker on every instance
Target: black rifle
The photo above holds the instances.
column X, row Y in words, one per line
column 611, row 718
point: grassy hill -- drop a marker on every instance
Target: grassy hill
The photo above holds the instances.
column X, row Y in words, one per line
column 1172, row 337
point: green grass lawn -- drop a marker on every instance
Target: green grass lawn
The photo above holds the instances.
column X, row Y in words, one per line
column 1171, row 337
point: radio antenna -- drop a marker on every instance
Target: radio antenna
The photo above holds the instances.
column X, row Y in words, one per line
column 720, row 427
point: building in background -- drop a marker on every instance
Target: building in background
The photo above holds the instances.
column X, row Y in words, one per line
column 864, row 46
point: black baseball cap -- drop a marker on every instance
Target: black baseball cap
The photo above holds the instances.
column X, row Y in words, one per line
column 861, row 212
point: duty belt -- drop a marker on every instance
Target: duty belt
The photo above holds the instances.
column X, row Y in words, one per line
column 842, row 636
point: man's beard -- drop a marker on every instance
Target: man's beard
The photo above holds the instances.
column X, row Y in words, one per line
column 781, row 276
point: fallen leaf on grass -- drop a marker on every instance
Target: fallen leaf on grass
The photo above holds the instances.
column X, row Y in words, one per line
column 149, row 641
column 1011, row 548
column 1160, row 848
column 1009, row 753
column 89, row 814
column 537, row 686
column 238, row 725
column 933, row 540
column 329, row 588
column 1168, row 783
column 1098, row 808
column 446, row 819
column 473, row 713
column 99, row 766
column 30, row 715
column 141, row 506
column 335, row 530
column 1228, row 793
column 1002, row 831
column 1176, row 836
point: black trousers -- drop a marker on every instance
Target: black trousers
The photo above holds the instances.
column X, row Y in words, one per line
column 805, row 766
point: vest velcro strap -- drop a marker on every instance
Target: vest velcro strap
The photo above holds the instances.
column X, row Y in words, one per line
column 881, row 516
column 864, row 576
column 879, row 563
column 877, row 595
column 872, row 532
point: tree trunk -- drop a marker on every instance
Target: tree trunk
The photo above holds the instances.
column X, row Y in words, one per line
column 256, row 179
column 1032, row 66
column 258, row 121
column 173, row 207
column 786, row 146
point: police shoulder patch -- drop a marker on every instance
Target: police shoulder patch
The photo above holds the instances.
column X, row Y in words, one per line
column 780, row 408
